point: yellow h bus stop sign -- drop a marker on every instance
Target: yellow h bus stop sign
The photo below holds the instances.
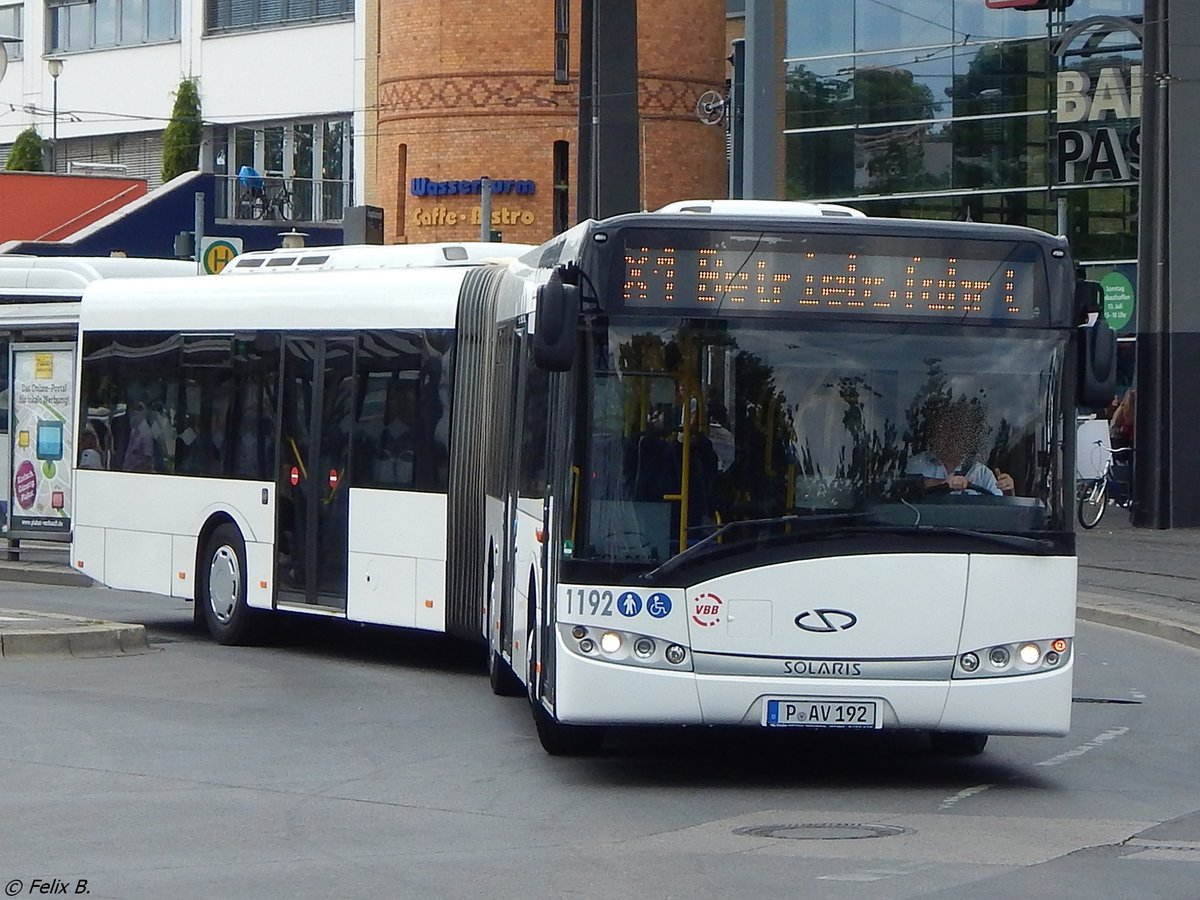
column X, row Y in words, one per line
column 216, row 252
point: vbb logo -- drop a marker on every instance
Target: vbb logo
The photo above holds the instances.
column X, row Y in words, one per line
column 706, row 610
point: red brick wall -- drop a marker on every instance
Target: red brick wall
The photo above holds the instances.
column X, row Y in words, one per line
column 467, row 89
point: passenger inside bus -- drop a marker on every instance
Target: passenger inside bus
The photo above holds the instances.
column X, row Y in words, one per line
column 396, row 444
column 660, row 468
column 950, row 464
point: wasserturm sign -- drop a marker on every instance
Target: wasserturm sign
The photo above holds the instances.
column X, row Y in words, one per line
column 425, row 187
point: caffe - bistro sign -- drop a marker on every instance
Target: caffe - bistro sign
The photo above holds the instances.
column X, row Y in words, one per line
column 1099, row 130
column 445, row 192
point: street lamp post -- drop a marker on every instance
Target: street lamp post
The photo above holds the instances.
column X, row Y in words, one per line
column 55, row 66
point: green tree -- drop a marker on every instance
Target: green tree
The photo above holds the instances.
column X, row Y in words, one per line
column 181, row 142
column 26, row 153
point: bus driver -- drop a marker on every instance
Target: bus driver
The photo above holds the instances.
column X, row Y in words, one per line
column 949, row 463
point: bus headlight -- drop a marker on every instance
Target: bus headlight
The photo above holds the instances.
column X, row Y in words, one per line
column 1018, row 658
column 624, row 648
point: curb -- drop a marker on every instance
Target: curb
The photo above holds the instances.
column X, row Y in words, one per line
column 33, row 635
column 43, row 573
column 1152, row 625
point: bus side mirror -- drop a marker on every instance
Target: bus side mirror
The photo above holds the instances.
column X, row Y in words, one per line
column 555, row 325
column 1089, row 296
column 1097, row 364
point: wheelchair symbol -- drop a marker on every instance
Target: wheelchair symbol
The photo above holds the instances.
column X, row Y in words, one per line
column 658, row 605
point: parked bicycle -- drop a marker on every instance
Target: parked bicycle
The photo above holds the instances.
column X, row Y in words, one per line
column 1094, row 494
column 259, row 200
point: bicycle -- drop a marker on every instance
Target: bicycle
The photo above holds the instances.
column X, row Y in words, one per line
column 1094, row 494
column 262, row 203
column 259, row 201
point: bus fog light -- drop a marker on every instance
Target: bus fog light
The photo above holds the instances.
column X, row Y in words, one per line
column 676, row 654
column 579, row 632
column 644, row 648
column 1030, row 654
column 999, row 657
column 969, row 662
column 1052, row 658
column 587, row 645
column 610, row 642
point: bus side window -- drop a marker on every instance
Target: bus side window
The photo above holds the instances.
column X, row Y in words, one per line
column 532, row 481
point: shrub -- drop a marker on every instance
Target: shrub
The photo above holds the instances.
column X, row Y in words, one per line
column 26, row 153
column 181, row 142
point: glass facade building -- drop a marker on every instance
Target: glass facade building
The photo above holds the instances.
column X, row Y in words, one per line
column 972, row 109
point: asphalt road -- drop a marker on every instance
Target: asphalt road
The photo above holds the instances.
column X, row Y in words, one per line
column 363, row 762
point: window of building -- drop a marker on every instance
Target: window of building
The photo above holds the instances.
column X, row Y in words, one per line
column 562, row 186
column 76, row 26
column 231, row 15
column 562, row 55
column 307, row 162
column 10, row 26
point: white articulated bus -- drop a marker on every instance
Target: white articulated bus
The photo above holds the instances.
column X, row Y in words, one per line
column 769, row 468
column 287, row 439
column 804, row 469
column 39, row 323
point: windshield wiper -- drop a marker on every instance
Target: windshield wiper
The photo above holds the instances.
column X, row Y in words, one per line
column 684, row 555
column 1016, row 541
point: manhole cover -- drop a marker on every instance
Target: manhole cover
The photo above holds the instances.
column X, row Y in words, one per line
column 821, row 831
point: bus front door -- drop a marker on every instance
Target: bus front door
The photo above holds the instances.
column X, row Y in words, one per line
column 313, row 490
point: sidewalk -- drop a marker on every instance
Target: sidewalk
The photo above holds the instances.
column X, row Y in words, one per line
column 1140, row 579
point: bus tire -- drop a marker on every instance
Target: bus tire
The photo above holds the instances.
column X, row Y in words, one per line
column 565, row 740
column 501, row 676
column 221, row 588
column 958, row 743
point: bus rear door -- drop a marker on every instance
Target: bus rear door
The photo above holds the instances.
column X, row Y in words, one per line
column 313, row 488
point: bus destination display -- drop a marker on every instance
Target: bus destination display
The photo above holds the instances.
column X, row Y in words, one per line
column 758, row 277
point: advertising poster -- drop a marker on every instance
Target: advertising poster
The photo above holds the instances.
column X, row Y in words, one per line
column 42, row 395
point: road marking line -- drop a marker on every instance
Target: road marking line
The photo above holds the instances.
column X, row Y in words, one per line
column 1098, row 741
column 964, row 794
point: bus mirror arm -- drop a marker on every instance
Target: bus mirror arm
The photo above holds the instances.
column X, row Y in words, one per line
column 556, row 323
column 1097, row 364
column 1089, row 298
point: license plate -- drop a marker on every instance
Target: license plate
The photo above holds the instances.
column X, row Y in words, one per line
column 821, row 712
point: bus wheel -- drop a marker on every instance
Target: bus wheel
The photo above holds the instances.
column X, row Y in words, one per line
column 500, row 675
column 565, row 740
column 958, row 743
column 221, row 588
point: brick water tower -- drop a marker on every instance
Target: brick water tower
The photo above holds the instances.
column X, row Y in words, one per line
column 470, row 89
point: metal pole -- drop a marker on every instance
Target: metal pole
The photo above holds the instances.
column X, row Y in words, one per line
column 1152, row 465
column 199, row 230
column 55, row 67
column 485, row 209
column 54, row 129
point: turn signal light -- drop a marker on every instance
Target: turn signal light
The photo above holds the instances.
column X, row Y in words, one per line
column 1059, row 645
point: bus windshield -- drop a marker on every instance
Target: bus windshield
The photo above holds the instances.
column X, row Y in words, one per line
column 697, row 423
